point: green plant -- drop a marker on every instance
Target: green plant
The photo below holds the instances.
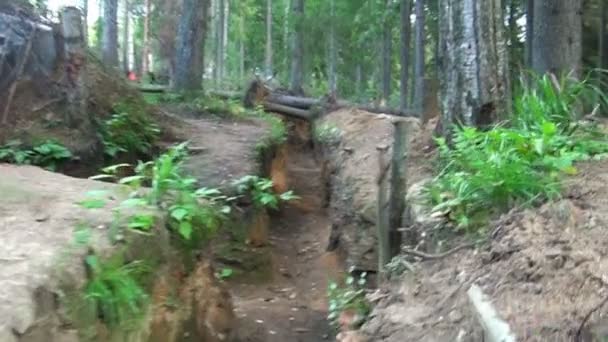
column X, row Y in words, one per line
column 224, row 273
column 48, row 154
column 261, row 192
column 348, row 298
column 326, row 134
column 112, row 291
column 487, row 172
column 129, row 130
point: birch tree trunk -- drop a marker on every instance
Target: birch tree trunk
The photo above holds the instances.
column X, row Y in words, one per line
column 418, row 94
column 297, row 58
column 332, row 48
column 268, row 59
column 557, row 39
column 473, row 63
column 109, row 50
column 387, row 48
column 189, row 54
column 145, row 54
column 406, row 28
column 125, row 37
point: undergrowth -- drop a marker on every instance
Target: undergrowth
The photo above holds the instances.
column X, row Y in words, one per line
column 487, row 172
column 349, row 298
column 129, row 130
column 260, row 192
column 48, row 154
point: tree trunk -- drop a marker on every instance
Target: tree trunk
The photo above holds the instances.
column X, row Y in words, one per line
column 557, row 39
column 145, row 54
column 529, row 32
column 418, row 98
column 110, row 33
column 125, row 37
column 242, row 47
column 359, row 80
column 473, row 68
column 332, row 48
column 286, row 38
column 297, row 58
column 406, row 28
column 190, row 45
column 220, row 40
column 75, row 58
column 603, row 51
column 225, row 37
column 268, row 57
column 387, row 47
column 85, row 20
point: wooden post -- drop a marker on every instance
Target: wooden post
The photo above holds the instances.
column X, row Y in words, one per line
column 398, row 185
column 75, row 62
column 383, row 219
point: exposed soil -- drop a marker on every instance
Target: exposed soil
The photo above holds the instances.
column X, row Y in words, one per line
column 544, row 268
column 292, row 305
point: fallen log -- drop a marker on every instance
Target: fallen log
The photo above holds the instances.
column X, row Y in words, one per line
column 289, row 111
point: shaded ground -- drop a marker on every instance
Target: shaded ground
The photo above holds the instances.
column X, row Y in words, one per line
column 292, row 306
column 545, row 270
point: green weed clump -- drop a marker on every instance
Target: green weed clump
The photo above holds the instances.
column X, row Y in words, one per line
column 261, row 193
column 486, row 172
column 112, row 292
column 349, row 297
column 48, row 154
column 129, row 130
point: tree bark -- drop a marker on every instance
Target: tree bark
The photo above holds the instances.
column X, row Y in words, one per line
column 473, row 67
column 603, row 51
column 190, row 45
column 332, row 48
column 418, row 98
column 529, row 32
column 268, row 59
column 297, row 50
column 225, row 32
column 110, row 33
column 220, row 40
column 125, row 37
column 398, row 183
column 145, row 53
column 387, row 48
column 557, row 39
column 406, row 27
column 242, row 47
column 75, row 64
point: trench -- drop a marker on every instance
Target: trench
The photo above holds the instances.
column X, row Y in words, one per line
column 291, row 304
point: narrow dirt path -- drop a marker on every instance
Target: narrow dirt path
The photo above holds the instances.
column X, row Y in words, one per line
column 293, row 306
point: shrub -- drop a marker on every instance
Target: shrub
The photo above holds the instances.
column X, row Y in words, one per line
column 349, row 297
column 261, row 193
column 487, row 172
column 48, row 154
column 129, row 130
column 112, row 291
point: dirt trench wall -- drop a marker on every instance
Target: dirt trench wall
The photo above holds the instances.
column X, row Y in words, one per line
column 347, row 139
column 42, row 268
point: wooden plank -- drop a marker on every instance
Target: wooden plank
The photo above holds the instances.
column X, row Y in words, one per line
column 495, row 328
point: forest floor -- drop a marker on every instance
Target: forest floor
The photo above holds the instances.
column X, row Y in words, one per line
column 293, row 306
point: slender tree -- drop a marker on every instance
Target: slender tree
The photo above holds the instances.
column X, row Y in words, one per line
column 418, row 93
column 387, row 48
column 269, row 52
column 333, row 55
column 529, row 32
column 406, row 28
column 110, row 33
column 473, row 67
column 189, row 47
column 125, row 36
column 145, row 54
column 297, row 50
column 557, row 38
column 603, row 51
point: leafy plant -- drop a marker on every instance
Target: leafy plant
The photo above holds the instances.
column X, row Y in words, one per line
column 47, row 154
column 129, row 129
column 349, row 297
column 327, row 134
column 487, row 172
column 112, row 291
column 261, row 192
column 225, row 273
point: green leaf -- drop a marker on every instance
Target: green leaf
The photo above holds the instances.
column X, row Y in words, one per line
column 92, row 203
column 179, row 213
column 185, row 230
